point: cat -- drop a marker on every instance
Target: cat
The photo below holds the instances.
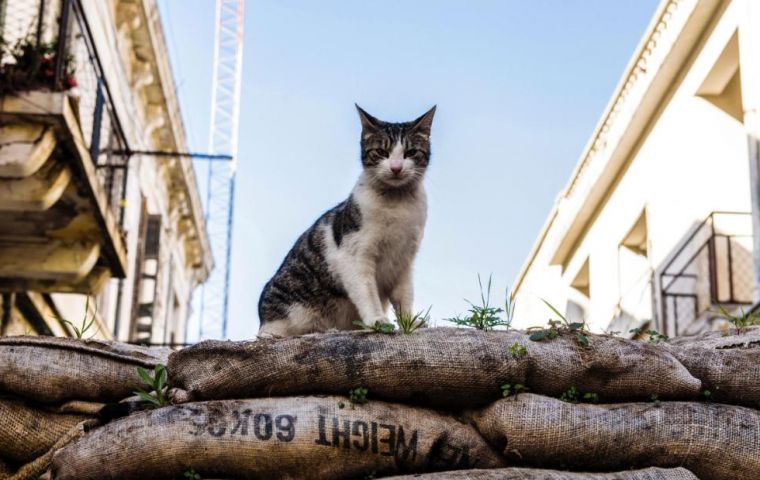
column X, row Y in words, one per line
column 357, row 257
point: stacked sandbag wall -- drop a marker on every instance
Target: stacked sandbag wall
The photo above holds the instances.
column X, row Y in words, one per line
column 440, row 403
column 51, row 390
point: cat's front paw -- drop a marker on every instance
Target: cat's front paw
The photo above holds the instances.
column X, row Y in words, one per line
column 379, row 324
column 381, row 321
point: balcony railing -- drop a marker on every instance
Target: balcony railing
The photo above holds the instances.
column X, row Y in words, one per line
column 712, row 267
column 61, row 55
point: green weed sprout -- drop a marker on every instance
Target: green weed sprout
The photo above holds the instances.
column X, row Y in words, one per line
column 192, row 475
column 377, row 327
column 578, row 329
column 509, row 389
column 358, row 396
column 707, row 394
column 157, row 383
column 654, row 337
column 573, row 395
column 517, row 350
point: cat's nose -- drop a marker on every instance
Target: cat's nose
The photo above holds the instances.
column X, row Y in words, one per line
column 396, row 169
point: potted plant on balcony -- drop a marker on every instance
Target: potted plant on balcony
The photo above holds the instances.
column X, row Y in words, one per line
column 27, row 65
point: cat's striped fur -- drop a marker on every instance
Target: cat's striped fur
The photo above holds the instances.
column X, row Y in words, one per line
column 357, row 257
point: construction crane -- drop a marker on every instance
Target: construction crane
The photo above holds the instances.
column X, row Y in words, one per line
column 223, row 140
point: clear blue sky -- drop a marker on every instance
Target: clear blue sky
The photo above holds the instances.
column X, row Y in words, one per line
column 519, row 86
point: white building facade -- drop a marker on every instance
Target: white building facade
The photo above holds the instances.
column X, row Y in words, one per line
column 655, row 226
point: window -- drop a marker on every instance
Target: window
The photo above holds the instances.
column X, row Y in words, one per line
column 634, row 307
column 146, row 277
column 581, row 281
column 722, row 86
column 580, row 294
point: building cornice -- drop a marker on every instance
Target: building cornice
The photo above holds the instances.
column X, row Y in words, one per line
column 668, row 42
column 153, row 82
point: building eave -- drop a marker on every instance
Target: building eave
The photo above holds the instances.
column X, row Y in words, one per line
column 675, row 30
column 205, row 261
column 535, row 249
column 162, row 106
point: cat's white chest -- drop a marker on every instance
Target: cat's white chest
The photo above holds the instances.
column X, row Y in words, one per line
column 392, row 225
column 393, row 232
column 394, row 228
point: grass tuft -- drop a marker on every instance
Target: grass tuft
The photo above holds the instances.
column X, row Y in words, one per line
column 87, row 323
column 485, row 316
column 742, row 321
column 408, row 322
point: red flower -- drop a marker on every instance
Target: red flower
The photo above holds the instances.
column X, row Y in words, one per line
column 71, row 82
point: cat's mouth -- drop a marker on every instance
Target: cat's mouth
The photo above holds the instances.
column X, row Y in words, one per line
column 398, row 180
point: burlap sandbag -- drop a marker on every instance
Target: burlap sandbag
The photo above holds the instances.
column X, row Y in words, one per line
column 79, row 406
column 712, row 440
column 727, row 365
column 284, row 438
column 444, row 367
column 745, row 338
column 52, row 370
column 5, row 470
column 541, row 474
column 34, row 469
column 27, row 432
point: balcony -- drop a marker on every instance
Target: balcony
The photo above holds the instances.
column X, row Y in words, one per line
column 62, row 187
column 712, row 267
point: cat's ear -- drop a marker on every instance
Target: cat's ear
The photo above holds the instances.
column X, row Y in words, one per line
column 425, row 122
column 368, row 121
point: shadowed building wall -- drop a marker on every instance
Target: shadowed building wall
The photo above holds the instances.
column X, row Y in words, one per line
column 654, row 228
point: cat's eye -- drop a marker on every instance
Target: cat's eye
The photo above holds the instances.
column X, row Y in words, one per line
column 379, row 152
column 410, row 153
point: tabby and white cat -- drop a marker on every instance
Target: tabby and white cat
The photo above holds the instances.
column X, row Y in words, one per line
column 358, row 256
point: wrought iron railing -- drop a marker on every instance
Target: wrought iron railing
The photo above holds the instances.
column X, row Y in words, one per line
column 712, row 267
column 64, row 57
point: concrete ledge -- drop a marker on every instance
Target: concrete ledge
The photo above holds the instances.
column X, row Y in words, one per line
column 24, row 148
column 37, row 192
column 90, row 285
column 57, row 260
column 51, row 114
